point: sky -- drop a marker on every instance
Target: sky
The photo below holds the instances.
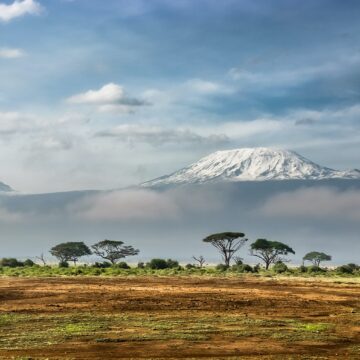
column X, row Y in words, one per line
column 108, row 94
column 102, row 95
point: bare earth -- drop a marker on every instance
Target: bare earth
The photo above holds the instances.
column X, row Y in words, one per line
column 179, row 317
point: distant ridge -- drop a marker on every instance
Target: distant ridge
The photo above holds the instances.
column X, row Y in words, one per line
column 251, row 164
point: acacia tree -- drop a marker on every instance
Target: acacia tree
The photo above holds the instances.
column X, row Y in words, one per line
column 270, row 251
column 113, row 250
column 200, row 260
column 316, row 257
column 227, row 243
column 70, row 251
column 41, row 258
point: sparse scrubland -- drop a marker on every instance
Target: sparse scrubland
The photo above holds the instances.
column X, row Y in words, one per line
column 272, row 255
column 123, row 269
column 162, row 309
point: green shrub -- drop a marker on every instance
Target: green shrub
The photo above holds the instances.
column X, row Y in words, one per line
column 242, row 268
column 238, row 260
column 190, row 266
column 157, row 264
column 221, row 267
column 102, row 265
column 141, row 265
column 172, row 264
column 11, row 262
column 303, row 269
column 280, row 267
column 345, row 269
column 122, row 265
column 315, row 270
column 63, row 264
column 354, row 267
column 29, row 263
column 77, row 271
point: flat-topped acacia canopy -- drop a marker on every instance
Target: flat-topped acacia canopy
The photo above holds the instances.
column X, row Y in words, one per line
column 227, row 243
column 224, row 236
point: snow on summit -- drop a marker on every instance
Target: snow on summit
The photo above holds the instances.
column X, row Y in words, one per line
column 252, row 164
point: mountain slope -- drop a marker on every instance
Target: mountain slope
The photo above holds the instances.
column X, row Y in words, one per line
column 5, row 188
column 251, row 164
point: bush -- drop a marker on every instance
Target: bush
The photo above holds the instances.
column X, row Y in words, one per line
column 190, row 266
column 303, row 269
column 280, row 267
column 141, row 265
column 242, row 268
column 122, row 265
column 315, row 269
column 11, row 262
column 157, row 264
column 221, row 267
column 63, row 264
column 102, row 265
column 354, row 267
column 238, row 261
column 29, row 263
column 172, row 264
column 345, row 269
column 256, row 268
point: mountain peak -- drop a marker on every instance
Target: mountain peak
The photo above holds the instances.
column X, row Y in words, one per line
column 251, row 164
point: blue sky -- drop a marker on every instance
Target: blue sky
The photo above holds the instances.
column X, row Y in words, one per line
column 104, row 94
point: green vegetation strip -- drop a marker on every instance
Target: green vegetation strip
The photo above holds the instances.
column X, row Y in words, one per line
column 34, row 331
column 83, row 270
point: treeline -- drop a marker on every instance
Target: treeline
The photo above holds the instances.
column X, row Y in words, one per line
column 112, row 253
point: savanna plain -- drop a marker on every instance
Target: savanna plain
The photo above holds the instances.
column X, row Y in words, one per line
column 159, row 316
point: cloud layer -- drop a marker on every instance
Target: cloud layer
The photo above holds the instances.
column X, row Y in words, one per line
column 315, row 203
column 172, row 222
column 158, row 136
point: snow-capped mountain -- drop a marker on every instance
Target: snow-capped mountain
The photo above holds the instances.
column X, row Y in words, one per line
column 251, row 164
column 5, row 188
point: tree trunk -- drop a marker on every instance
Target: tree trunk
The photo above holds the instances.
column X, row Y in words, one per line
column 227, row 260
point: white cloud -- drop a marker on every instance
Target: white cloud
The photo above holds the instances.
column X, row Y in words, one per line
column 7, row 216
column 126, row 205
column 108, row 94
column 205, row 87
column 156, row 135
column 280, row 77
column 148, row 205
column 19, row 8
column 13, row 122
column 315, row 203
column 9, row 53
column 53, row 142
column 109, row 98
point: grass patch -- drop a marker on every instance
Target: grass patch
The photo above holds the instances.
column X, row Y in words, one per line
column 32, row 331
column 311, row 327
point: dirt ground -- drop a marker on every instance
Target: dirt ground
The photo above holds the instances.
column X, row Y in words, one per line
column 173, row 317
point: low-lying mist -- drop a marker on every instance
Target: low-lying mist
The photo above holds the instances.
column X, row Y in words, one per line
column 171, row 222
